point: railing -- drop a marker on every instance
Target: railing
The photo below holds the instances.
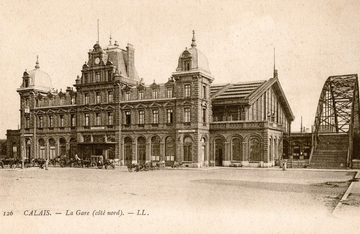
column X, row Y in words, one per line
column 244, row 125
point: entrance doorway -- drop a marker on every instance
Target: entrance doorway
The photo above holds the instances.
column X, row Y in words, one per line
column 219, row 151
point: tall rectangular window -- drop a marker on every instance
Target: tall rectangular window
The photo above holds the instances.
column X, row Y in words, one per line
column 141, row 117
column 51, row 121
column 204, row 91
column 61, row 121
column 73, row 120
column 187, row 90
column 97, row 76
column 169, row 92
column 98, row 97
column 169, row 114
column 204, row 115
column 87, row 119
column 127, row 117
column 110, row 118
column 27, row 122
column 110, row 96
column 87, row 98
column 109, row 76
column 41, row 122
column 155, row 116
column 187, row 115
column 98, row 118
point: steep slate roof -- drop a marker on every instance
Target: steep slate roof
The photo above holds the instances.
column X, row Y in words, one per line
column 250, row 92
column 236, row 90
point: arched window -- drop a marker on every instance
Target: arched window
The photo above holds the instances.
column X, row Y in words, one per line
column 42, row 148
column 73, row 149
column 188, row 149
column 141, row 144
column 155, row 148
column 28, row 148
column 219, row 152
column 128, row 150
column 62, row 142
column 52, row 145
column 169, row 149
column 236, row 149
column 255, row 149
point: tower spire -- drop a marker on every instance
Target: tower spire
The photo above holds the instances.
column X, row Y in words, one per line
column 193, row 44
column 37, row 66
column 275, row 71
column 110, row 37
column 98, row 40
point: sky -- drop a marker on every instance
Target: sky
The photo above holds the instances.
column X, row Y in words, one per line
column 312, row 39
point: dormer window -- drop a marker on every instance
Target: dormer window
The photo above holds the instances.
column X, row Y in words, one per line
column 169, row 92
column 26, row 83
column 186, row 65
column 155, row 93
column 127, row 96
column 141, row 94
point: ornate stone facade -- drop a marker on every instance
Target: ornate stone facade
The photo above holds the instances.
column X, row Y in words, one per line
column 111, row 112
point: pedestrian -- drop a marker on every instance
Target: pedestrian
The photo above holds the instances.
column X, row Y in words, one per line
column 284, row 165
column 46, row 163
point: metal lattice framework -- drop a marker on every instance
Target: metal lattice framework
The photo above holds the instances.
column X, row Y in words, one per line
column 335, row 110
column 338, row 108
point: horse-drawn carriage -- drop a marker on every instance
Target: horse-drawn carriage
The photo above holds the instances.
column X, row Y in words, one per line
column 11, row 162
column 144, row 166
column 70, row 162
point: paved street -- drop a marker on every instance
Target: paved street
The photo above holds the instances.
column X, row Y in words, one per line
column 221, row 200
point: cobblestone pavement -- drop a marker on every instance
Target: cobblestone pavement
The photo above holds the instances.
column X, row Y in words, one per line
column 221, row 200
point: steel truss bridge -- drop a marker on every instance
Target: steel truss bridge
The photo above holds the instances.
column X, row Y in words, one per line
column 336, row 132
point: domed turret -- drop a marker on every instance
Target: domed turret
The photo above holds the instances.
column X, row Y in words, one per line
column 37, row 79
column 193, row 59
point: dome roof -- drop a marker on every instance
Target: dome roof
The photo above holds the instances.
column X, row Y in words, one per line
column 40, row 79
column 198, row 60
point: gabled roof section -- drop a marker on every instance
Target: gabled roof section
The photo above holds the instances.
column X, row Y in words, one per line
column 275, row 84
column 237, row 90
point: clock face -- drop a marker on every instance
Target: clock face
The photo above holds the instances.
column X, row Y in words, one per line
column 97, row 61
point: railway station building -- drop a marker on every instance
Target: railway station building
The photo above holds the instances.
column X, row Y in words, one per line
column 110, row 111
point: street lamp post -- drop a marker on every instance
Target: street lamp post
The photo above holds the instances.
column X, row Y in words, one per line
column 117, row 102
